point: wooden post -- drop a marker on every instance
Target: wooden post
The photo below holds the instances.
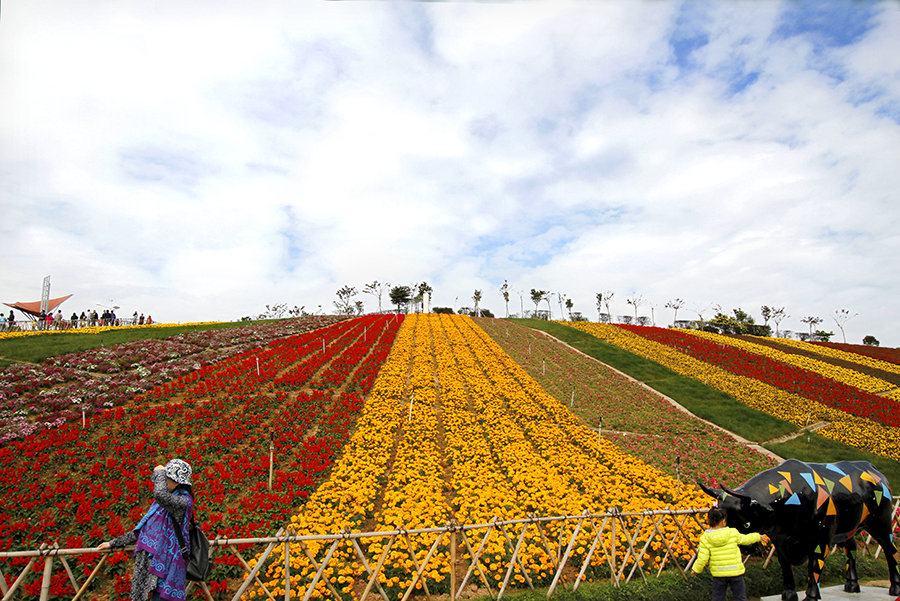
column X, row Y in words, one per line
column 287, row 570
column 512, row 564
column 18, row 581
column 453, row 560
column 587, row 559
column 48, row 574
column 419, row 569
column 271, row 457
column 565, row 558
column 319, row 571
column 373, row 577
column 365, row 563
column 259, row 564
column 89, row 579
column 476, row 562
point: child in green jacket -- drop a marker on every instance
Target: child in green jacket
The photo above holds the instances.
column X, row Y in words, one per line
column 719, row 546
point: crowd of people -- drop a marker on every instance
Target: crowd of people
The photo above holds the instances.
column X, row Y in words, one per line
column 87, row 319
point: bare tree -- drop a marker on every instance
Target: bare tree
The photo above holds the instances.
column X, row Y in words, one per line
column 477, row 298
column 569, row 305
column 778, row 315
column 599, row 307
column 635, row 301
column 344, row 304
column 811, row 321
column 607, row 297
column 504, row 291
column 377, row 289
column 700, row 310
column 675, row 304
column 561, row 298
column 653, row 314
column 841, row 317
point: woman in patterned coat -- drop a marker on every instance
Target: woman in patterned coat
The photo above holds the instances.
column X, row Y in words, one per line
column 159, row 569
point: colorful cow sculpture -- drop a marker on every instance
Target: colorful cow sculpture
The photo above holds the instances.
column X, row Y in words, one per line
column 805, row 508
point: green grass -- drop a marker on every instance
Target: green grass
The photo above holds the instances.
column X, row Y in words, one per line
column 39, row 347
column 714, row 405
column 671, row 586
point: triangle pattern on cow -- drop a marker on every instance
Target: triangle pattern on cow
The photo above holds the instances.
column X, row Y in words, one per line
column 823, row 497
column 832, row 510
column 793, row 500
column 835, row 468
column 787, row 476
column 848, row 484
column 809, row 479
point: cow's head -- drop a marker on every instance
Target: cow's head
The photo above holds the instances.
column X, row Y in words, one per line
column 744, row 512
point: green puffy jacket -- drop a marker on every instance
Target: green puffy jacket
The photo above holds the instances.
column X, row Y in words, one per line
column 719, row 546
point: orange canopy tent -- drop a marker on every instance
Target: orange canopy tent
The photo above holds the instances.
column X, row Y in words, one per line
column 34, row 309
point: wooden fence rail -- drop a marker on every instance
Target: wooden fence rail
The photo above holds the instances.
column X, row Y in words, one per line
column 614, row 545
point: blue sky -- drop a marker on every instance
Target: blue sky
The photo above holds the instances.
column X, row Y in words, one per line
column 197, row 162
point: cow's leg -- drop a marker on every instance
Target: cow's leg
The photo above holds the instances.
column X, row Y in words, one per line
column 814, row 571
column 890, row 553
column 787, row 577
column 851, row 585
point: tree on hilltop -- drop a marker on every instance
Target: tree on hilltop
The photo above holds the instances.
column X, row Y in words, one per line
column 635, row 301
column 504, row 291
column 536, row 297
column 376, row 288
column 870, row 340
column 811, row 321
column 344, row 303
column 400, row 295
column 675, row 304
column 477, row 298
column 841, row 317
column 778, row 315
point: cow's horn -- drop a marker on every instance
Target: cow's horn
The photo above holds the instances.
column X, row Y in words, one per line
column 716, row 494
column 739, row 495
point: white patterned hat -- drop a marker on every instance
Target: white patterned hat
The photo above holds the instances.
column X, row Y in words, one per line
column 179, row 471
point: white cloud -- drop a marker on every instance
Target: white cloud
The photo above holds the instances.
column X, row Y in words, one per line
column 198, row 162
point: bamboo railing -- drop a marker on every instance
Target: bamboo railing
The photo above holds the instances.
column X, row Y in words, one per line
column 603, row 532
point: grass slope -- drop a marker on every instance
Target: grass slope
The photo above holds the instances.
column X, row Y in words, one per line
column 714, row 405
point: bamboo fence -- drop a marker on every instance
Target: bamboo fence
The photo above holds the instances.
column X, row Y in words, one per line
column 641, row 532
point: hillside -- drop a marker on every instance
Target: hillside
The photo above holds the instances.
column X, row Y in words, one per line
column 375, row 423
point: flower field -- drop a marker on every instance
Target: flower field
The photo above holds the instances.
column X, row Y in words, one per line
column 34, row 397
column 455, row 429
column 836, row 351
column 83, row 486
column 635, row 419
column 881, row 353
column 842, row 375
column 802, row 382
column 748, row 381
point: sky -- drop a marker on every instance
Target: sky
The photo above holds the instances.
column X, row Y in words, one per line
column 196, row 161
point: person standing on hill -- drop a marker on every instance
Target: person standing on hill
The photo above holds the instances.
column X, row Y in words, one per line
column 159, row 569
column 719, row 546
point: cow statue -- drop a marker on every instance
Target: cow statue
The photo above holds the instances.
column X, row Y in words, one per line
column 806, row 508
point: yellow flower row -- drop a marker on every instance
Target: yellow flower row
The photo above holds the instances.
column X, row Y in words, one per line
column 96, row 329
column 846, row 428
column 454, row 429
column 835, row 372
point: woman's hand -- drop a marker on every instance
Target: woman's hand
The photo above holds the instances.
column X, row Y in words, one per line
column 104, row 546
